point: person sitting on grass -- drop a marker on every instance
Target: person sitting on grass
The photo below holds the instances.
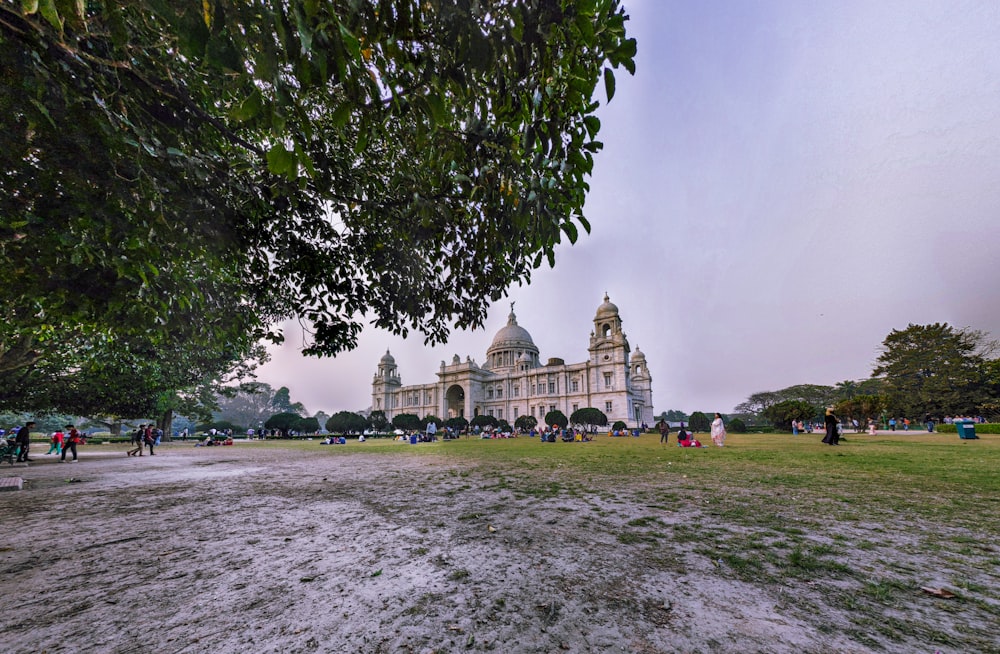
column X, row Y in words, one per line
column 684, row 439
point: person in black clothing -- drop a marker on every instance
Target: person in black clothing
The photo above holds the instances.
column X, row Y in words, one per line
column 830, row 422
column 23, row 440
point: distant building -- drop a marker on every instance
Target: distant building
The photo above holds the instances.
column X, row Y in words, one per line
column 514, row 382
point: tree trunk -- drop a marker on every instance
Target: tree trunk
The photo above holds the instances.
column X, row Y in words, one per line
column 166, row 424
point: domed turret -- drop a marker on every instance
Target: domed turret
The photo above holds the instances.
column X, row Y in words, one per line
column 387, row 359
column 606, row 310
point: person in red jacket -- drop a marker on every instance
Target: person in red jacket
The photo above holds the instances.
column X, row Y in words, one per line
column 73, row 438
column 57, row 442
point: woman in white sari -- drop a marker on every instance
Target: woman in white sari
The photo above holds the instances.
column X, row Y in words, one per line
column 718, row 431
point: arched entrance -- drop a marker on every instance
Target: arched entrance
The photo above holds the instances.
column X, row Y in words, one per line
column 455, row 402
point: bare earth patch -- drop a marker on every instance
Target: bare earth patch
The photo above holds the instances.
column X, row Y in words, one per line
column 250, row 549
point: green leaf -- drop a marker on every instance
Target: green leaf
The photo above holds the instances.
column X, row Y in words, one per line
column 29, row 6
column 279, row 160
column 609, row 83
column 51, row 14
column 249, row 108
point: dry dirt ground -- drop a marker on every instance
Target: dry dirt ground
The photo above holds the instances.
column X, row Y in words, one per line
column 250, row 549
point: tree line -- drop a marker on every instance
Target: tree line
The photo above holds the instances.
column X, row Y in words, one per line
column 934, row 370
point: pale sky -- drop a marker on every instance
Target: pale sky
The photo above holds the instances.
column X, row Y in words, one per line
column 782, row 184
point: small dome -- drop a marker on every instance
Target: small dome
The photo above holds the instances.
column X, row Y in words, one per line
column 387, row 359
column 606, row 310
column 638, row 356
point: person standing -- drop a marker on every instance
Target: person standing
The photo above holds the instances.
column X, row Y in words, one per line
column 57, row 442
column 150, row 438
column 664, row 430
column 718, row 431
column 830, row 422
column 72, row 440
column 930, row 423
column 23, row 440
column 137, row 437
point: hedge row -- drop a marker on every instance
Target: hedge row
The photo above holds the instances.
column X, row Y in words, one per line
column 985, row 428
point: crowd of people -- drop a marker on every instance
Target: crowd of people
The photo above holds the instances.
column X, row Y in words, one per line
column 60, row 441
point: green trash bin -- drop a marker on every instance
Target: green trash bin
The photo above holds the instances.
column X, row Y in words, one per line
column 966, row 429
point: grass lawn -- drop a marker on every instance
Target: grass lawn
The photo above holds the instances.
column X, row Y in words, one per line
column 864, row 526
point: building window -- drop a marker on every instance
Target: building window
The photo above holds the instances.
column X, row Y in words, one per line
column 517, row 391
column 533, row 389
column 428, row 399
column 576, row 407
column 515, row 413
column 552, row 407
column 607, row 380
column 499, row 391
column 489, row 412
column 552, row 388
column 607, row 407
column 489, row 393
column 576, row 386
column 500, row 414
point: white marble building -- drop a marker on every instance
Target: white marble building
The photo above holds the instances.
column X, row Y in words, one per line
column 513, row 381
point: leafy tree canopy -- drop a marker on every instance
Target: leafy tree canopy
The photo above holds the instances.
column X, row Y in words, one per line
column 378, row 421
column 345, row 422
column 248, row 162
column 283, row 421
column 556, row 417
column 483, row 420
column 406, row 421
column 526, row 422
column 783, row 413
column 589, row 417
column 699, row 422
column 935, row 369
column 457, row 422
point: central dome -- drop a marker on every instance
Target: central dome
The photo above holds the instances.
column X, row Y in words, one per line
column 512, row 347
column 512, row 335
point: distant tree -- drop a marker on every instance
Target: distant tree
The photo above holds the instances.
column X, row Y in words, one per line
column 757, row 403
column 861, row 408
column 345, row 422
column 284, row 422
column 378, row 421
column 782, row 414
column 247, row 404
column 482, row 421
column 406, row 421
column 526, row 422
column 504, row 427
column 556, row 417
column 282, row 402
column 672, row 415
column 308, row 425
column 589, row 418
column 619, row 425
column 736, row 426
column 699, row 422
column 458, row 423
column 934, row 369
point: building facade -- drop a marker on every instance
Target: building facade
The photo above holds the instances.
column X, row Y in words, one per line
column 513, row 381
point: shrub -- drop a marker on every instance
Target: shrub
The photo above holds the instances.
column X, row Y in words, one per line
column 736, row 426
